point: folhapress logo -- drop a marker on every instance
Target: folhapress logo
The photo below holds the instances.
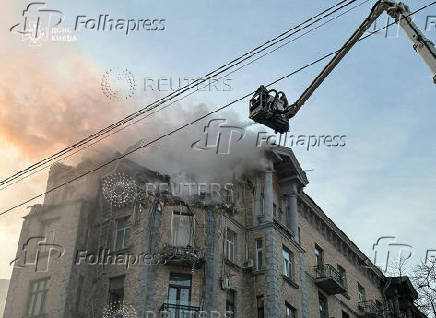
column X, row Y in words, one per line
column 42, row 23
column 38, row 23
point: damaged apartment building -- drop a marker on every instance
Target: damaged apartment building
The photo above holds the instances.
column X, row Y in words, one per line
column 265, row 249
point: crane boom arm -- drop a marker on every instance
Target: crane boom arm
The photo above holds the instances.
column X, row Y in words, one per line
column 401, row 14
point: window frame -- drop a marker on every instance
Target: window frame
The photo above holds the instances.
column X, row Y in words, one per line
column 361, row 293
column 319, row 255
column 260, row 304
column 233, row 302
column 290, row 311
column 43, row 293
column 230, row 246
column 113, row 291
column 124, row 229
column 288, row 271
column 259, row 254
column 191, row 240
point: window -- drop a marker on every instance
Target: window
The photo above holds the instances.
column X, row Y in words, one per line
column 231, row 245
column 37, row 297
column 323, row 310
column 182, row 229
column 288, row 266
column 291, row 312
column 260, row 307
column 230, row 303
column 122, row 234
column 319, row 255
column 361, row 292
column 342, row 276
column 116, row 291
column 299, row 235
column 275, row 210
column 79, row 292
column 259, row 254
column 179, row 290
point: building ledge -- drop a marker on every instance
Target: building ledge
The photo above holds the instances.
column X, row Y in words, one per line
column 290, row 281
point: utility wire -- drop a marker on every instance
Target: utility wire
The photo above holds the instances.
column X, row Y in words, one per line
column 148, row 114
column 196, row 120
column 281, row 37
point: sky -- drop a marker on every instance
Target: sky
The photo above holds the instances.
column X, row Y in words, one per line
column 381, row 98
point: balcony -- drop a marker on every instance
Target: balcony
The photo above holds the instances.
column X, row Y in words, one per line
column 370, row 309
column 330, row 280
column 178, row 311
column 182, row 256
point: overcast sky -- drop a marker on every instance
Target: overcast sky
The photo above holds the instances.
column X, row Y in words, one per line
column 381, row 97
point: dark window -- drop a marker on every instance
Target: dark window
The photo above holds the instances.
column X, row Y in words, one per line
column 116, row 291
column 37, row 297
column 345, row 315
column 319, row 255
column 231, row 303
column 260, row 307
column 79, row 292
column 299, row 235
column 275, row 210
column 122, row 234
column 259, row 254
column 323, row 310
column 291, row 312
column 342, row 276
column 361, row 292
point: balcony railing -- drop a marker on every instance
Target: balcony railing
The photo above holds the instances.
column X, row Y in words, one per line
column 370, row 309
column 330, row 279
column 182, row 256
column 178, row 311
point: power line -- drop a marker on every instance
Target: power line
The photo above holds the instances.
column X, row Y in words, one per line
column 148, row 114
column 221, row 69
column 196, row 120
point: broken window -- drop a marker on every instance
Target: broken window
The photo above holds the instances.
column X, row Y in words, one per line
column 37, row 297
column 122, row 234
column 182, row 229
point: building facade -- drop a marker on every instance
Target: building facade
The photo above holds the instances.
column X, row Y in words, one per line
column 118, row 244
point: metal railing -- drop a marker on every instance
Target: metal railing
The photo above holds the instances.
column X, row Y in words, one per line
column 178, row 311
column 371, row 307
column 328, row 271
